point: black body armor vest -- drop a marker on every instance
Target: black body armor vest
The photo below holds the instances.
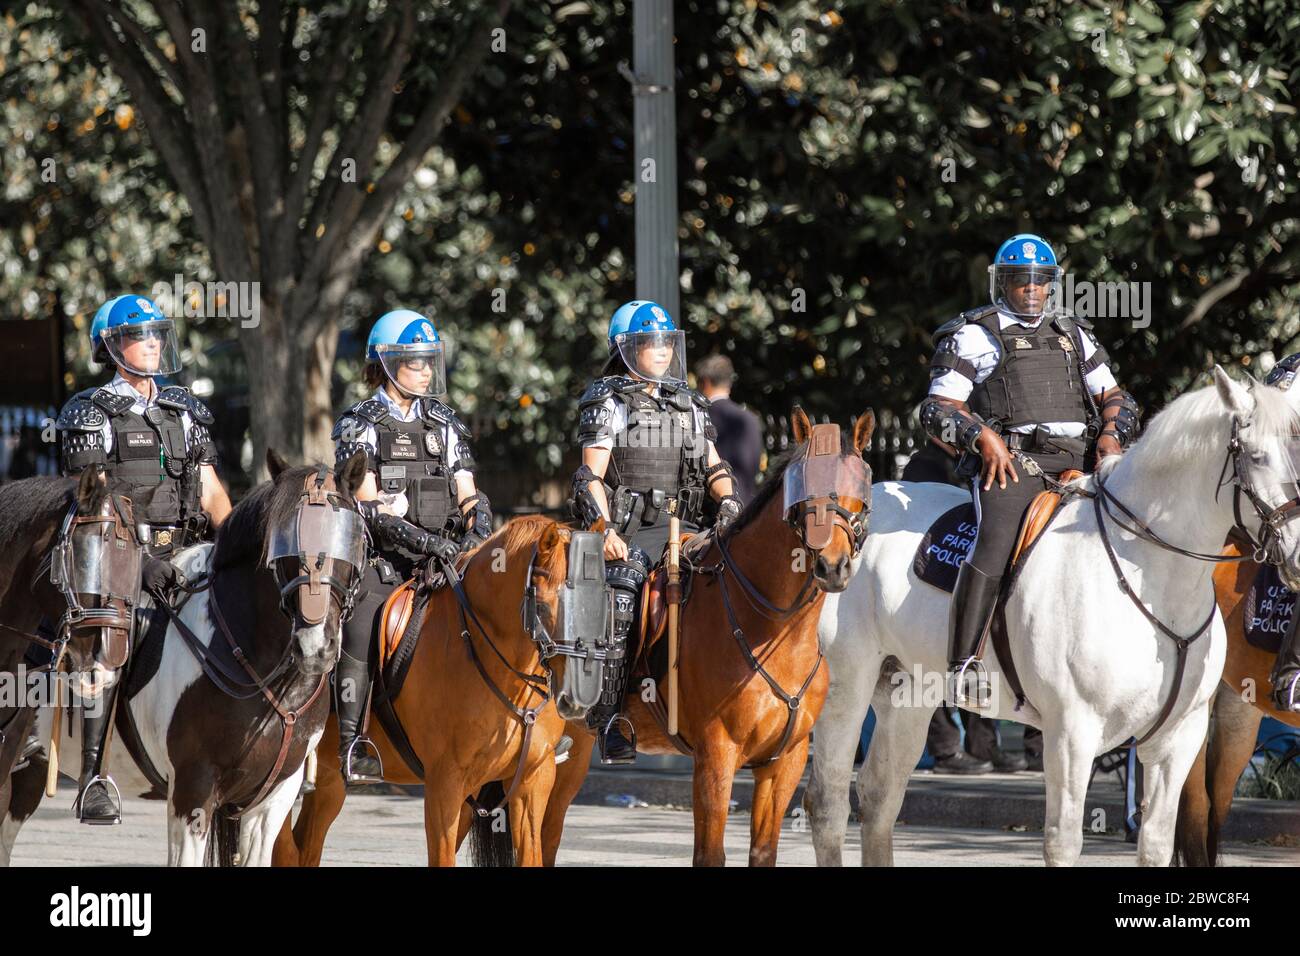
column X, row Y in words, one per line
column 661, row 454
column 1037, row 378
column 148, row 451
column 410, row 458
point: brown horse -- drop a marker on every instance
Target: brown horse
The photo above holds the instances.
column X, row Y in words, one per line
column 461, row 731
column 1244, row 697
column 748, row 628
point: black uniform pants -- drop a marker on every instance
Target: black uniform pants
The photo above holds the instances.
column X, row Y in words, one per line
column 999, row 510
column 360, row 630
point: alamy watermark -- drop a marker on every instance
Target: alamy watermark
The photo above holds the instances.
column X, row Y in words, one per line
column 225, row 300
column 1103, row 300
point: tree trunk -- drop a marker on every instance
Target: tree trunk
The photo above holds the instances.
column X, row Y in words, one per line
column 318, row 410
column 277, row 381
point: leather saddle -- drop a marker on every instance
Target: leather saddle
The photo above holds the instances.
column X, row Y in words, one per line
column 1038, row 516
column 654, row 601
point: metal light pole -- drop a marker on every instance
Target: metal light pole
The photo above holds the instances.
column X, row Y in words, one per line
column 655, row 172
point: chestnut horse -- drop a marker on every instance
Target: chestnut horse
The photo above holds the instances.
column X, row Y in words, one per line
column 730, row 716
column 1243, row 698
column 462, row 732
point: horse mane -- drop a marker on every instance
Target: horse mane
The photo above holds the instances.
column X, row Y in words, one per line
column 518, row 534
column 240, row 537
column 1195, row 426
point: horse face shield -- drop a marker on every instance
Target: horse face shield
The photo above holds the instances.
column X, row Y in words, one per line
column 100, row 555
column 826, row 487
column 328, row 541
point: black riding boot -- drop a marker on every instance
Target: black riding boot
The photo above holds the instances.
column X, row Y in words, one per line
column 358, row 757
column 973, row 601
column 98, row 800
column 1286, row 671
column 625, row 578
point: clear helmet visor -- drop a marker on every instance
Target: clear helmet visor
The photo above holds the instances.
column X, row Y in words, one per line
column 418, row 371
column 144, row 348
column 654, row 356
column 1025, row 291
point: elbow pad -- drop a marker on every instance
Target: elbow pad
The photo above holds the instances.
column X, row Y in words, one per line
column 949, row 424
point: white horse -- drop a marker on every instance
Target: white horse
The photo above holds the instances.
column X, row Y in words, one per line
column 1094, row 669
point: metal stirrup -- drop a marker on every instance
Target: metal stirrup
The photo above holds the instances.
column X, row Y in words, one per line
column 976, row 666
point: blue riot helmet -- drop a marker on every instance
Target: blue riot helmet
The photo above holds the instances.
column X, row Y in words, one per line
column 1024, row 279
column 407, row 346
column 649, row 343
column 1283, row 373
column 133, row 333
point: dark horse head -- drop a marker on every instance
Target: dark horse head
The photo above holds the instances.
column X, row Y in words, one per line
column 295, row 543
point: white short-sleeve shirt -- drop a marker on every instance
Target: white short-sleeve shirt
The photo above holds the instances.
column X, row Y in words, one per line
column 977, row 345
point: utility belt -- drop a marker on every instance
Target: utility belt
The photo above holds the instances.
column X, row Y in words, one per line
column 1044, row 443
column 631, row 510
column 160, row 539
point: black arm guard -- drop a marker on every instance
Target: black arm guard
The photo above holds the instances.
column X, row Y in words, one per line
column 729, row 509
column 395, row 532
column 1122, row 417
column 950, row 424
column 585, row 506
column 593, row 416
column 80, row 439
column 478, row 522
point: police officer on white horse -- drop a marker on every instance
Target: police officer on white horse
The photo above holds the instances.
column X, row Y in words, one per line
column 156, row 439
column 419, row 499
column 1018, row 377
column 647, row 453
column 1285, row 676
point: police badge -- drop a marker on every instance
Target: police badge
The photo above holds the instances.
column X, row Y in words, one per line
column 1066, row 344
column 431, row 442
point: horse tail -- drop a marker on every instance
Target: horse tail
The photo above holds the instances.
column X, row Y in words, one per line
column 223, row 838
column 490, row 843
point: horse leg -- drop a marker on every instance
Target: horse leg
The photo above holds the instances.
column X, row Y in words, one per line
column 896, row 746
column 28, row 789
column 569, row 777
column 527, row 810
column 1191, row 831
column 188, row 830
column 1231, row 745
column 716, row 759
column 258, row 828
column 774, row 785
column 1068, row 753
column 1166, row 761
column 304, row 842
column 444, row 804
column 839, row 728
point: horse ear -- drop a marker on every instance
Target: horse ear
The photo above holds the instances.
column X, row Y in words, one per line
column 862, row 429
column 800, row 425
column 598, row 526
column 351, row 473
column 1235, row 397
column 550, row 539
column 274, row 463
column 92, row 486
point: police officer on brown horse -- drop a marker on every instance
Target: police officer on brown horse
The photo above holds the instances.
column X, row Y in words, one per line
column 1016, row 377
column 647, row 453
column 156, row 440
column 419, row 499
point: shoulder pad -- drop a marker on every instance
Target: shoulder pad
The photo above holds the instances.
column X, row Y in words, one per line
column 177, row 396
column 699, row 399
column 597, row 392
column 442, row 412
column 1081, row 321
column 79, row 414
column 348, row 427
column 625, row 383
column 111, row 402
column 372, row 410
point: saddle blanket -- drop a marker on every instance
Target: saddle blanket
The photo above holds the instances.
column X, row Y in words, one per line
column 945, row 547
column 1269, row 608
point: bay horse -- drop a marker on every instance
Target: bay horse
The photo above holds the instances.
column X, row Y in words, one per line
column 1112, row 623
column 93, row 513
column 223, row 733
column 477, row 678
column 751, row 675
column 1243, row 699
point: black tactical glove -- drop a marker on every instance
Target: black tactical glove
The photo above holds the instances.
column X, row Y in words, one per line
column 159, row 576
column 729, row 509
column 395, row 532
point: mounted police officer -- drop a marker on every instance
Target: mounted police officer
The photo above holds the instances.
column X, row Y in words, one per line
column 1285, row 677
column 419, row 499
column 647, row 453
column 157, row 440
column 1019, row 377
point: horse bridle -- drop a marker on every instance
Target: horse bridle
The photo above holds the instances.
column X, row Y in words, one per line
column 1269, row 545
column 814, row 502
column 326, row 534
